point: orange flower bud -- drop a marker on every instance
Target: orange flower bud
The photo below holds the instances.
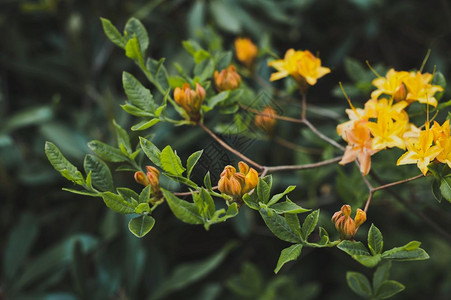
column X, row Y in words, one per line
column 360, row 217
column 141, row 178
column 246, row 51
column 236, row 184
column 400, row 93
column 229, row 183
column 266, row 120
column 227, row 79
column 190, row 100
column 153, row 177
column 345, row 225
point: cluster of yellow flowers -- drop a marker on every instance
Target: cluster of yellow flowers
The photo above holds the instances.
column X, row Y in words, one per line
column 384, row 123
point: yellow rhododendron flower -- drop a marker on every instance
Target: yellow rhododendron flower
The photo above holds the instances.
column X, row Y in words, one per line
column 303, row 66
column 246, row 51
column 421, row 152
column 442, row 139
column 409, row 86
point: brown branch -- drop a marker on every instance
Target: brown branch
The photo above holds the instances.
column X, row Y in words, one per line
column 322, row 136
column 189, row 193
column 296, row 147
column 226, row 146
column 372, row 189
column 303, row 167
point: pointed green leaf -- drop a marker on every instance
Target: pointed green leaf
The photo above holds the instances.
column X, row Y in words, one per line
column 123, row 140
column 279, row 226
column 293, row 222
column 288, row 254
column 381, row 274
column 170, row 161
column 309, row 224
column 137, row 93
column 263, row 191
column 445, row 188
column 388, row 289
column 359, row 284
column 128, row 195
column 142, row 208
column 145, row 195
column 82, row 192
column 277, row 197
column 146, row 124
column 106, row 152
column 410, row 251
column 151, row 151
column 183, row 210
column 192, row 161
column 112, row 33
column 135, row 27
column 117, row 203
column 288, row 207
column 100, row 173
column 218, row 99
column 375, row 240
column 133, row 50
column 251, row 200
column 140, row 226
column 62, row 165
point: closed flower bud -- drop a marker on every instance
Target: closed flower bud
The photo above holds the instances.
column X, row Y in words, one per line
column 360, row 217
column 190, row 100
column 141, row 178
column 153, row 177
column 227, row 79
column 236, row 184
column 345, row 225
column 400, row 93
column 266, row 120
column 246, row 51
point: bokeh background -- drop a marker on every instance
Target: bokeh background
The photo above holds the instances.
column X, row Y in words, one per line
column 60, row 80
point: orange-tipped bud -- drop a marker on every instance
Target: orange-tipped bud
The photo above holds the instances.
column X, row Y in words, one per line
column 246, row 51
column 236, row 184
column 153, row 177
column 360, row 217
column 345, row 225
column 141, row 178
column 400, row 93
column 190, row 100
column 266, row 120
column 227, row 79
column 229, row 183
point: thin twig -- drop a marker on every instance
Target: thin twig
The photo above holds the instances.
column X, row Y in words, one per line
column 226, row 146
column 322, row 136
column 303, row 167
column 189, row 193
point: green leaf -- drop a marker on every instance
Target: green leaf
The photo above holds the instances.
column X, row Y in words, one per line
column 151, row 151
column 183, row 210
column 389, row 288
column 207, row 181
column 410, row 251
column 192, row 161
column 145, row 124
column 170, row 162
column 293, row 222
column 375, row 240
column 135, row 27
column 187, row 274
column 251, row 200
column 106, row 152
column 117, row 203
column 218, row 99
column 359, row 284
column 445, row 188
column 129, row 195
column 277, row 197
column 205, row 203
column 288, row 207
column 140, row 226
column 20, row 240
column 136, row 111
column 145, row 194
column 353, row 248
column 123, row 140
column 142, row 208
column 112, row 33
column 288, row 254
column 133, row 50
column 279, row 226
column 309, row 224
column 100, row 173
column 381, row 274
column 137, row 93
column 355, row 70
column 160, row 74
column 62, row 165
column 263, row 191
column 436, row 190
column 82, row 192
column 225, row 16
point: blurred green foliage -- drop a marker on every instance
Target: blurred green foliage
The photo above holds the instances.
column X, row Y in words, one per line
column 60, row 80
